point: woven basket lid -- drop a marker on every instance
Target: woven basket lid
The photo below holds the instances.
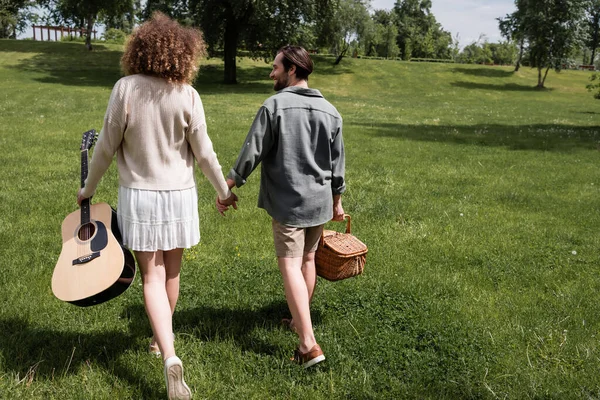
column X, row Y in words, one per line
column 343, row 243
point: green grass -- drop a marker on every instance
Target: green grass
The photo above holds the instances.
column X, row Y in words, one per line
column 477, row 195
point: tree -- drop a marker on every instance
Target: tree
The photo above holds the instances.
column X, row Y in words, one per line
column 594, row 86
column 593, row 23
column 260, row 26
column 176, row 9
column 84, row 14
column 349, row 21
column 503, row 53
column 512, row 28
column 419, row 34
column 552, row 29
column 123, row 22
column 378, row 35
column 14, row 17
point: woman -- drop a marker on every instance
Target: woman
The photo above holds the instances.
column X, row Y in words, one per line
column 155, row 124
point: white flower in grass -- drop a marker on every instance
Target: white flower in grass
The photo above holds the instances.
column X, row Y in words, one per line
column 462, row 215
column 574, row 252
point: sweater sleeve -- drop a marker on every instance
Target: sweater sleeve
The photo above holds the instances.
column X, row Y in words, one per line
column 338, row 161
column 109, row 139
column 258, row 142
column 202, row 148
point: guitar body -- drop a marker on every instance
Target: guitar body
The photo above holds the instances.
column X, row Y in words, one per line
column 93, row 266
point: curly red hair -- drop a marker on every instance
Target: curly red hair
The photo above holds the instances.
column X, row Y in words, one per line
column 162, row 47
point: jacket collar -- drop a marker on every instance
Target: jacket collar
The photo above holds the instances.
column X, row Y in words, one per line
column 301, row 91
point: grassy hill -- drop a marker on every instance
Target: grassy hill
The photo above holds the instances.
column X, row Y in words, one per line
column 477, row 195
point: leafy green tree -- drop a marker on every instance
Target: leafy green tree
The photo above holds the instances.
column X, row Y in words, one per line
column 85, row 14
column 503, row 53
column 552, row 29
column 261, row 27
column 181, row 10
column 379, row 33
column 125, row 21
column 388, row 46
column 15, row 15
column 593, row 23
column 350, row 19
column 594, row 86
column 419, row 34
column 512, row 28
column 476, row 53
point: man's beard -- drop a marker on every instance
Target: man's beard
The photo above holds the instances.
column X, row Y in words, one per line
column 281, row 83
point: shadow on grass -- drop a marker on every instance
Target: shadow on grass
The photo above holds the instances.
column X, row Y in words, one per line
column 493, row 72
column 253, row 79
column 214, row 324
column 70, row 63
column 543, row 137
column 37, row 353
column 45, row 354
column 507, row 87
column 67, row 63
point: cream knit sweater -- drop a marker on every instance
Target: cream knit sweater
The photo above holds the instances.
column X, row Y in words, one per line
column 157, row 129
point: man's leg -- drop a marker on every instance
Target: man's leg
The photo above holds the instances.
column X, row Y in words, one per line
column 309, row 273
column 298, row 299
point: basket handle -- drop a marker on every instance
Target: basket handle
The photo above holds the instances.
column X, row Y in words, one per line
column 347, row 216
column 348, row 226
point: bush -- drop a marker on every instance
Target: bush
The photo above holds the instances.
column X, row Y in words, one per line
column 594, row 86
column 439, row 60
column 113, row 35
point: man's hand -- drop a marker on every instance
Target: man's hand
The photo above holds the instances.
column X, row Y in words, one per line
column 338, row 210
column 223, row 205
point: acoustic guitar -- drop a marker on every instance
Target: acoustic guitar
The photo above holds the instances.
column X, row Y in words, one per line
column 93, row 266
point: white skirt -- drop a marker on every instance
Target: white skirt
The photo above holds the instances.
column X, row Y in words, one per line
column 152, row 220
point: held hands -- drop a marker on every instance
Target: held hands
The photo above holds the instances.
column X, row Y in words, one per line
column 223, row 205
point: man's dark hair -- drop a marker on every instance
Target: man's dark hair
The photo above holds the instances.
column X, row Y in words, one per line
column 296, row 55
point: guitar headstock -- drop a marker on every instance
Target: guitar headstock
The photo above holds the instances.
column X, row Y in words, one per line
column 88, row 139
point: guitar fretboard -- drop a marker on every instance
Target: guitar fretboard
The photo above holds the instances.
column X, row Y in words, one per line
column 85, row 204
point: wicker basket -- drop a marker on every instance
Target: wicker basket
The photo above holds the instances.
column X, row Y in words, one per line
column 340, row 255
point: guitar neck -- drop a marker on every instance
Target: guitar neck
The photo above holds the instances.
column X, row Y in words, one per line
column 85, row 204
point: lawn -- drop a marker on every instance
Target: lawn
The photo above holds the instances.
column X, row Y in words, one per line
column 478, row 196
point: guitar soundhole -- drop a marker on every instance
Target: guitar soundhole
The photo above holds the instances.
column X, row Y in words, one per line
column 86, row 231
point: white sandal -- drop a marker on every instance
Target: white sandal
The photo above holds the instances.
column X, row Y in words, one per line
column 154, row 349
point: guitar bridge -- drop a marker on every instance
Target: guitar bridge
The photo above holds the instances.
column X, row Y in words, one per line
column 86, row 258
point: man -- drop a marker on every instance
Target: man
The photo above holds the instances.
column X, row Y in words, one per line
column 297, row 135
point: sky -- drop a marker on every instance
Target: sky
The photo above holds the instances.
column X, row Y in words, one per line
column 467, row 18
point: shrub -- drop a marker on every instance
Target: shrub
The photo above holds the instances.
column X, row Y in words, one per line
column 113, row 35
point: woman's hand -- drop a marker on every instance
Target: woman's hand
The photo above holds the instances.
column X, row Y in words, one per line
column 80, row 197
column 223, row 205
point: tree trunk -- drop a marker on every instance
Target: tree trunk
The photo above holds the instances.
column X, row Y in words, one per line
column 341, row 55
column 521, row 50
column 230, row 50
column 594, row 41
column 542, row 79
column 545, row 75
column 89, row 29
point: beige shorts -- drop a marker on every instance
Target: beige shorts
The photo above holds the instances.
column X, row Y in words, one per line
column 295, row 242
